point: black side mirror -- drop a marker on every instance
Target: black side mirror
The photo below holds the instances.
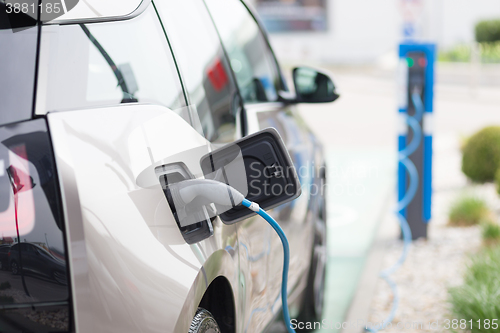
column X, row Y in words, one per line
column 312, row 86
column 271, row 179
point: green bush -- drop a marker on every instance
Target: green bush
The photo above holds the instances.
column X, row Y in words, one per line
column 497, row 180
column 490, row 233
column 467, row 211
column 481, row 155
column 479, row 297
column 459, row 53
column 488, row 31
column 490, row 52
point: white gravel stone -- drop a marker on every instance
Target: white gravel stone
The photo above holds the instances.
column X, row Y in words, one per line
column 436, row 264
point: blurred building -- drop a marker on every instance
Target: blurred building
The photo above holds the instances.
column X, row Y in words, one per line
column 366, row 31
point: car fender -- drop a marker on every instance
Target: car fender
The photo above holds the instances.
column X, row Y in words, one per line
column 221, row 263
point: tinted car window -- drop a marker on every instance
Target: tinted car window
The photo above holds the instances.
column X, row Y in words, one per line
column 204, row 68
column 251, row 59
column 34, row 272
column 107, row 64
column 17, row 67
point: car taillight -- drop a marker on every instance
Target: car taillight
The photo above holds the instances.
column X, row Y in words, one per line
column 17, row 188
column 8, row 254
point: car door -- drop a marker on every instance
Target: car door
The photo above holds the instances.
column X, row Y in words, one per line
column 116, row 110
column 212, row 91
column 260, row 82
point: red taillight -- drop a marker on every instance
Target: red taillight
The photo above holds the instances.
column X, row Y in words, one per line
column 8, row 254
column 21, row 200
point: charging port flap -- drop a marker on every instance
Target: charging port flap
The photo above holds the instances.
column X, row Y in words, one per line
column 269, row 178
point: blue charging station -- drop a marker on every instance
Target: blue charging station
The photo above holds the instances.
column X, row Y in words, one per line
column 416, row 96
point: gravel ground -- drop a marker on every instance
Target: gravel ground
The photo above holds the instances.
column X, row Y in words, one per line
column 430, row 269
column 436, row 264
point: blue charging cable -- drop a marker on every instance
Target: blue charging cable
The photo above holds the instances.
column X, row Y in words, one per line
column 286, row 258
column 403, row 158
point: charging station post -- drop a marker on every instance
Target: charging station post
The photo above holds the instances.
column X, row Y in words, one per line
column 416, row 98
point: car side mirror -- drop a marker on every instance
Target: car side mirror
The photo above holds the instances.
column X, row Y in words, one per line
column 313, row 86
column 271, row 178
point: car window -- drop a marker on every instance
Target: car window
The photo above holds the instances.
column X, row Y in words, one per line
column 35, row 292
column 204, row 68
column 17, row 66
column 106, row 64
column 251, row 59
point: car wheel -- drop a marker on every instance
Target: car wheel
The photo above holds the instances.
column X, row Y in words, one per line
column 312, row 307
column 203, row 322
column 14, row 268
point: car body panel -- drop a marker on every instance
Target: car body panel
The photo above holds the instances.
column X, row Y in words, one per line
column 130, row 267
column 86, row 11
column 297, row 217
column 128, row 260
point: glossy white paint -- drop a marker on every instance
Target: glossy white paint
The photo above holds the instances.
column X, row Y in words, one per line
column 131, row 269
column 261, row 258
column 98, row 9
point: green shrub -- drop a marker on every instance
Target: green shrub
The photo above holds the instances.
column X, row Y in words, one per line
column 491, row 233
column 490, row 52
column 488, row 31
column 467, row 211
column 481, row 155
column 479, row 297
column 497, row 180
column 459, row 53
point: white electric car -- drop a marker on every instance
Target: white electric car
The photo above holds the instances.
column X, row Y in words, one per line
column 91, row 103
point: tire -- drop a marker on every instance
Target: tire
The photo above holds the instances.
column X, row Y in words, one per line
column 312, row 306
column 14, row 268
column 203, row 322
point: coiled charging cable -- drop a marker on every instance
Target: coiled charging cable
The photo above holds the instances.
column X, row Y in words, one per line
column 403, row 158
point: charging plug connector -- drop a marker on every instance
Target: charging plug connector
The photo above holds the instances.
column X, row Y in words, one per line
column 205, row 192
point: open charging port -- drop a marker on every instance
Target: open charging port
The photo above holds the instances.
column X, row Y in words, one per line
column 193, row 220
